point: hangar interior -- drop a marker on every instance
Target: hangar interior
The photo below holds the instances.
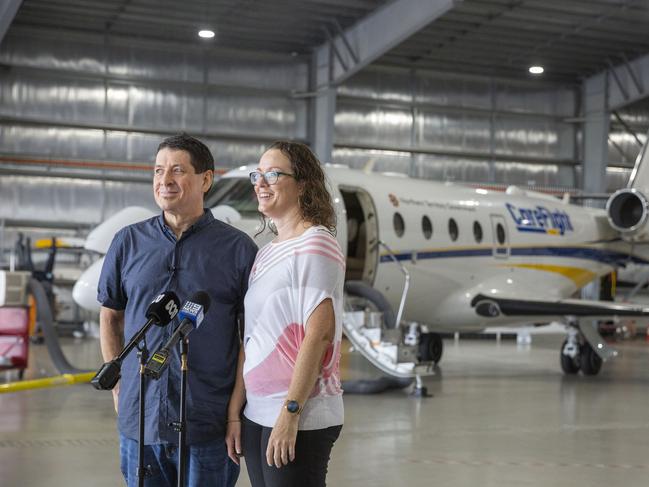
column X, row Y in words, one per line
column 433, row 89
column 443, row 93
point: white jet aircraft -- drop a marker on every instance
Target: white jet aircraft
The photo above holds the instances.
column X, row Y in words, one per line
column 454, row 258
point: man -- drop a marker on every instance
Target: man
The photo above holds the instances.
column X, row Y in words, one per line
column 185, row 250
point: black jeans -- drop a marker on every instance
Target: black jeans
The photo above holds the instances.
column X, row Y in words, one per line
column 309, row 469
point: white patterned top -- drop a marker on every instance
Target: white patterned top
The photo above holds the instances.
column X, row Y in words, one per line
column 288, row 281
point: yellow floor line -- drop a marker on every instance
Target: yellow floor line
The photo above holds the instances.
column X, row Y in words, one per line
column 59, row 380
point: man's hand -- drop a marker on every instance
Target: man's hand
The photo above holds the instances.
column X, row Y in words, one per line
column 233, row 440
column 116, row 397
column 111, row 338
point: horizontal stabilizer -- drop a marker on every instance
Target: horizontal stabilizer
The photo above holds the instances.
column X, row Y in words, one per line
column 491, row 306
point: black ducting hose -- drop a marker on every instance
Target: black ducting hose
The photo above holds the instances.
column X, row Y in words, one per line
column 385, row 383
column 364, row 290
column 375, row 386
column 46, row 321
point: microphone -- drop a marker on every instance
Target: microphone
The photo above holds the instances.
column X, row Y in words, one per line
column 191, row 315
column 160, row 312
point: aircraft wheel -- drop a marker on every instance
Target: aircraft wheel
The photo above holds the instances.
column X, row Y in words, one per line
column 591, row 363
column 431, row 347
column 569, row 365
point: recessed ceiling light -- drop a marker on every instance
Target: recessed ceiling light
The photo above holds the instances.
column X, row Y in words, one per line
column 536, row 69
column 206, row 33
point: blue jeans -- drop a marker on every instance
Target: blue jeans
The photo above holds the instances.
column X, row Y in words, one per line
column 208, row 464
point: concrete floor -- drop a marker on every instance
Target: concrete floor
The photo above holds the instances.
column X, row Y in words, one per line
column 501, row 415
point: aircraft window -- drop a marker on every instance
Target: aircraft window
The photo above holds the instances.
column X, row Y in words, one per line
column 427, row 227
column 235, row 192
column 477, row 231
column 500, row 233
column 399, row 225
column 453, row 230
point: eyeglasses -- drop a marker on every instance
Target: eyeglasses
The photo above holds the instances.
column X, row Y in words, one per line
column 270, row 177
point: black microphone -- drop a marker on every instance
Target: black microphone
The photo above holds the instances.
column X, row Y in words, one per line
column 160, row 312
column 191, row 315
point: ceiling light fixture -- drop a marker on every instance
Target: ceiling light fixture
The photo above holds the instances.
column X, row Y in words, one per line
column 536, row 69
column 206, row 33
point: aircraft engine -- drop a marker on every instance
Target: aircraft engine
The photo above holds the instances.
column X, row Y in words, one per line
column 628, row 213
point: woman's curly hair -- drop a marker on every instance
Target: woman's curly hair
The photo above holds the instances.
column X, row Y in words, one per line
column 314, row 199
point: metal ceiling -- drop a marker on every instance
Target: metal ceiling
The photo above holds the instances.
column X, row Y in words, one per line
column 572, row 39
column 286, row 26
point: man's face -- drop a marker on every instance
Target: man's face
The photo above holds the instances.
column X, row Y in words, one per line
column 177, row 188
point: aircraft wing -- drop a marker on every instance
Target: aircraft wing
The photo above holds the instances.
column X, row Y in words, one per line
column 493, row 306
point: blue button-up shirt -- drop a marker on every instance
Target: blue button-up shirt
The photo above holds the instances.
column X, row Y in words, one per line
column 146, row 259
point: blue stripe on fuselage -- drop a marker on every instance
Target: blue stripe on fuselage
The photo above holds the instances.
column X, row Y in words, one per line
column 440, row 254
column 533, row 230
column 609, row 257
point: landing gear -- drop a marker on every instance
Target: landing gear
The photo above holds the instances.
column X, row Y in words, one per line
column 577, row 354
column 591, row 363
column 431, row 348
column 570, row 361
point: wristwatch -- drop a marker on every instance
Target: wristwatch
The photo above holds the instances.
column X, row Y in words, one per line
column 292, row 406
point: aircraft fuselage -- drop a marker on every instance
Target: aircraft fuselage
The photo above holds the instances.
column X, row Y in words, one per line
column 458, row 242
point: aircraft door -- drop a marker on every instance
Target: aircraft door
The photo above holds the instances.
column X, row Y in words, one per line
column 501, row 247
column 362, row 235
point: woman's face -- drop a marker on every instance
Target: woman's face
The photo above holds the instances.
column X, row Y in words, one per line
column 279, row 199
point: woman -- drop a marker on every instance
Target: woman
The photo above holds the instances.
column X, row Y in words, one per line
column 288, row 374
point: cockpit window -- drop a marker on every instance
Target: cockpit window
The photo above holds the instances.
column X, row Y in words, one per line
column 235, row 192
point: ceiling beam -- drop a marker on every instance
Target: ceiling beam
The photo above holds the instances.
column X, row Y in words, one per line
column 8, row 9
column 523, row 41
column 354, row 48
column 486, row 71
column 627, row 82
column 493, row 50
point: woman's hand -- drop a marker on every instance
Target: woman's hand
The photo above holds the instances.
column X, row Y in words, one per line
column 233, row 440
column 281, row 443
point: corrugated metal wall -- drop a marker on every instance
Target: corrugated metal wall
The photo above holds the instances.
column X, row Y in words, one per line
column 441, row 126
column 94, row 99
column 86, row 98
column 627, row 133
column 78, row 201
column 82, row 98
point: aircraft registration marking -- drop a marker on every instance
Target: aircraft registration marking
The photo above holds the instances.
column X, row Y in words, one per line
column 540, row 220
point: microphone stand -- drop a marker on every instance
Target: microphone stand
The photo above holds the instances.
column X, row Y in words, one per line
column 181, row 425
column 142, row 471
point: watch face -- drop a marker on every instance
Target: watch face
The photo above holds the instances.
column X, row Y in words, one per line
column 292, row 406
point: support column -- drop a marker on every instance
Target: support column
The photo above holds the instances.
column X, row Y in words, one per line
column 348, row 51
column 323, row 107
column 8, row 10
column 596, row 129
column 322, row 124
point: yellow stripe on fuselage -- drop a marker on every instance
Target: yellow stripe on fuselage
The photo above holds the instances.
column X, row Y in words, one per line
column 579, row 276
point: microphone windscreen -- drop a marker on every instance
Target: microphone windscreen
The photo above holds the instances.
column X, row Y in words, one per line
column 163, row 308
column 202, row 298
